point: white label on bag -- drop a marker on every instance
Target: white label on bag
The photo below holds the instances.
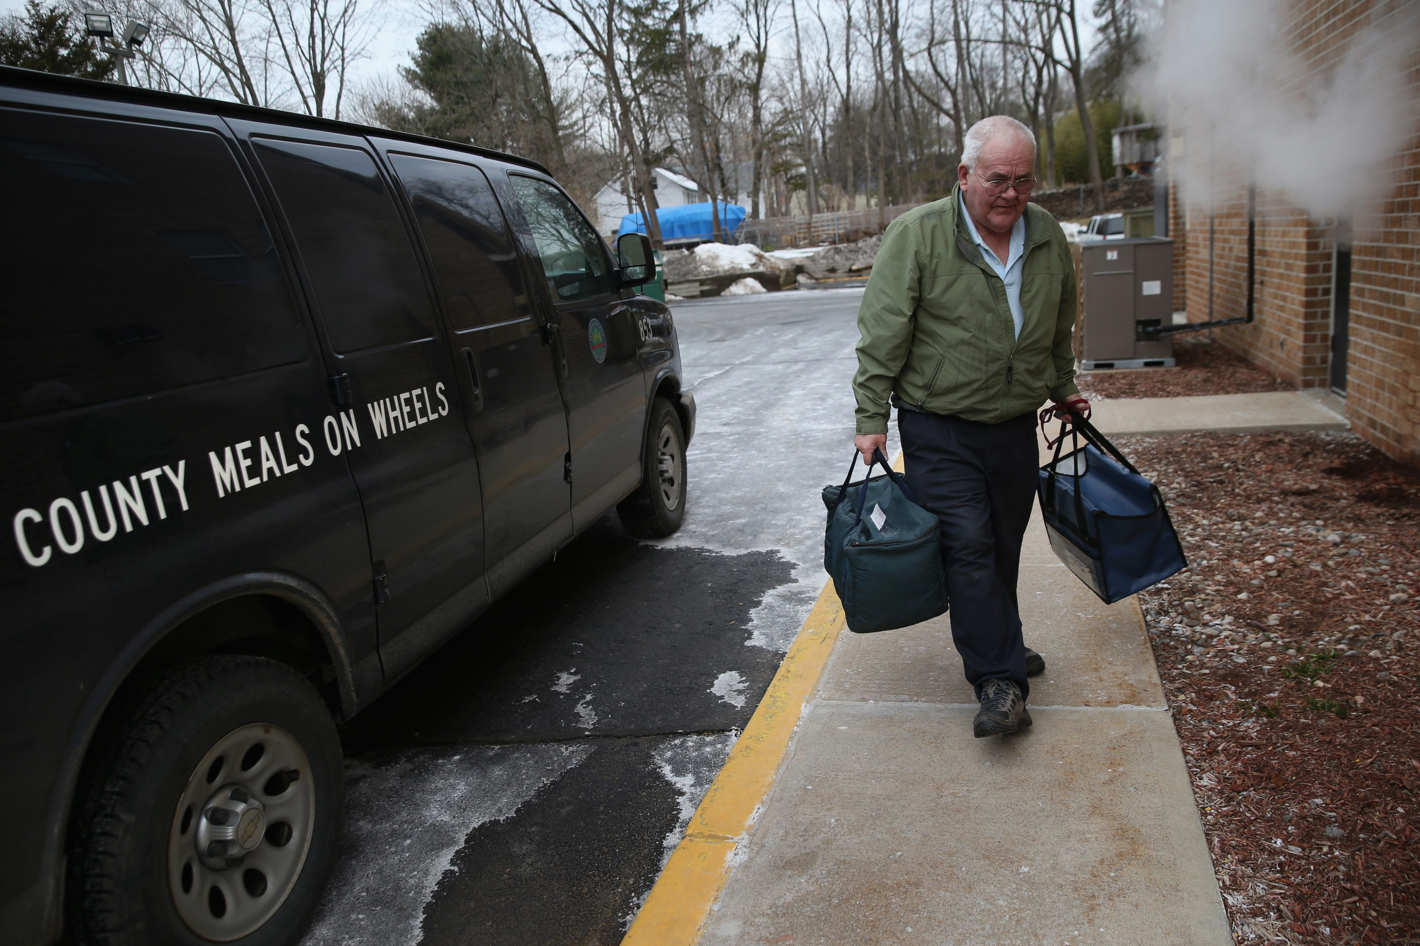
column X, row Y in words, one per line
column 878, row 516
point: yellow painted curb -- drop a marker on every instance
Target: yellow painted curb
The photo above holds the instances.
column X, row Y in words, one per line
column 682, row 897
column 679, row 903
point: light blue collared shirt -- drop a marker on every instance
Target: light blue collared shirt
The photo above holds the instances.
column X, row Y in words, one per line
column 1009, row 271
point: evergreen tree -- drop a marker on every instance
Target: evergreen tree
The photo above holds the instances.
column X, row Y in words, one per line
column 52, row 40
column 482, row 88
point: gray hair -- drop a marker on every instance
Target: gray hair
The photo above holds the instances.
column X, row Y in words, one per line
column 990, row 127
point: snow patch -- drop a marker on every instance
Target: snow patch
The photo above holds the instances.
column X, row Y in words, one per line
column 586, row 718
column 725, row 257
column 730, row 688
column 689, row 764
column 405, row 821
column 565, row 679
column 748, row 286
column 801, row 252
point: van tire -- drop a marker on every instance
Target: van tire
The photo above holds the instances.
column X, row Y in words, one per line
column 657, row 508
column 222, row 738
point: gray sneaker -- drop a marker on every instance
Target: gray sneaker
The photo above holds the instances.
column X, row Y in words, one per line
column 1003, row 709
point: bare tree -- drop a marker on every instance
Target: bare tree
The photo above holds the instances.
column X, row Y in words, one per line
column 601, row 39
column 318, row 39
column 694, row 89
column 757, row 18
column 805, row 126
column 1068, row 30
column 1034, row 26
column 843, row 123
column 258, row 52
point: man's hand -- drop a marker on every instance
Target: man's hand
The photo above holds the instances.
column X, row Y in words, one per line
column 1074, row 404
column 867, row 443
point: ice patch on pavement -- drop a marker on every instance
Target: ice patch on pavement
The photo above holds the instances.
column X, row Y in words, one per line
column 730, row 688
column 749, row 374
column 404, row 822
column 690, row 764
column 565, row 679
column 586, row 717
column 748, row 286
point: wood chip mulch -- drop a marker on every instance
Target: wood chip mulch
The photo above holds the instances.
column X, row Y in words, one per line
column 1287, row 651
column 1203, row 367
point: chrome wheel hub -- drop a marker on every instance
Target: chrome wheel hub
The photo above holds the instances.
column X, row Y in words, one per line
column 230, row 827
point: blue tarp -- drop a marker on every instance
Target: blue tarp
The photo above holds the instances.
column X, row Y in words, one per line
column 688, row 222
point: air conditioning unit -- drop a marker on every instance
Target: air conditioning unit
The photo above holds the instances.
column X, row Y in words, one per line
column 1128, row 289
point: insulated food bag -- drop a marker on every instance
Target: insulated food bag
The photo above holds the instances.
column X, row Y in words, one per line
column 883, row 552
column 1106, row 522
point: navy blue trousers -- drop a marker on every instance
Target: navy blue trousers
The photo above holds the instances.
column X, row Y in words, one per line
column 979, row 479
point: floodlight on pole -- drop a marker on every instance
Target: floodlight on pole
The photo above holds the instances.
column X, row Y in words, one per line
column 98, row 24
column 135, row 33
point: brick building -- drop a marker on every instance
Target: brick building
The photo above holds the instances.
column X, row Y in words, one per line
column 1336, row 303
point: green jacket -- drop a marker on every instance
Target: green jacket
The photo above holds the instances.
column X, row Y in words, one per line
column 935, row 328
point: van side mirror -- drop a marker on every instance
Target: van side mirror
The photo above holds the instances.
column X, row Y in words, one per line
column 635, row 259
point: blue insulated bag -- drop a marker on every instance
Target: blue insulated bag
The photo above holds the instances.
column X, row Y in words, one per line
column 883, row 552
column 1106, row 522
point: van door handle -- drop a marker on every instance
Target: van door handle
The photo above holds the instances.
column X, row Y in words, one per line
column 475, row 391
column 552, row 337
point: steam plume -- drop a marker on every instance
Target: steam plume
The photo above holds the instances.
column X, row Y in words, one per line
column 1224, row 73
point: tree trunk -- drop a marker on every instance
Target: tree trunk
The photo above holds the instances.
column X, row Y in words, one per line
column 805, row 130
column 694, row 105
column 1077, row 69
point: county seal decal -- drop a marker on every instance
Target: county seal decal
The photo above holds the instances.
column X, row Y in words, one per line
column 596, row 340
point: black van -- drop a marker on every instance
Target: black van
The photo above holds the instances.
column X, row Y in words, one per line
column 286, row 403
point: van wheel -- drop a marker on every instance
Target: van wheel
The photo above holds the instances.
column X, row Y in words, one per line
column 657, row 508
column 216, row 819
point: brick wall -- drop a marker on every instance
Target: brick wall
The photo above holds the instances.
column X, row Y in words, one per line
column 1178, row 232
column 1291, row 335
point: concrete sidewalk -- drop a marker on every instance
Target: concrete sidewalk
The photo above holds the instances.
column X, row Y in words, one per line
column 887, row 823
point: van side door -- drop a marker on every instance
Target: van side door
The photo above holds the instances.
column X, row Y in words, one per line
column 399, row 424
column 600, row 335
column 503, row 357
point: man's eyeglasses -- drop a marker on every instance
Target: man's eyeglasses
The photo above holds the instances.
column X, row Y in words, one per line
column 996, row 185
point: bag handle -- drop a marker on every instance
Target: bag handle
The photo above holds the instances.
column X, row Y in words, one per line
column 881, row 459
column 1049, row 498
column 878, row 458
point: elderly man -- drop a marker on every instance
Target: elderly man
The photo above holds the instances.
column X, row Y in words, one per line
column 966, row 326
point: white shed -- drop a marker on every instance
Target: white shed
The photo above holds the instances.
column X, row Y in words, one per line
column 672, row 190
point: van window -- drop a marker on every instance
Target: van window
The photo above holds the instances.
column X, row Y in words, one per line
column 364, row 272
column 574, row 259
column 474, row 263
column 137, row 262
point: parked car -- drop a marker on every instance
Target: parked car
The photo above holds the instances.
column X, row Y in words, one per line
column 286, row 403
column 1103, row 227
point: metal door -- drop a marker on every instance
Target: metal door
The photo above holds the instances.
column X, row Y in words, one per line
column 397, row 410
column 504, row 360
column 601, row 336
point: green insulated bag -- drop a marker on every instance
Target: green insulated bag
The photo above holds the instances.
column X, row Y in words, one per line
column 883, row 552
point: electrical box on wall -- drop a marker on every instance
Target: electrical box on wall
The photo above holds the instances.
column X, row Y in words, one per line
column 1128, row 288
